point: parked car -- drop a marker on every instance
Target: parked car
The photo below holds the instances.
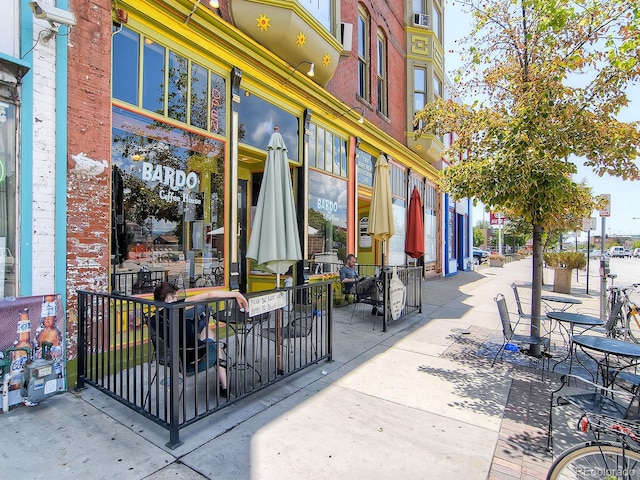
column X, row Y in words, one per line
column 480, row 256
column 636, row 252
column 9, row 261
column 627, row 252
column 616, row 251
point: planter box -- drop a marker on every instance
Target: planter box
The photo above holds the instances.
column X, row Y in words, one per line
column 496, row 262
column 562, row 280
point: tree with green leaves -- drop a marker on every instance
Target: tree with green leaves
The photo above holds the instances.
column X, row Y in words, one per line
column 548, row 78
column 478, row 237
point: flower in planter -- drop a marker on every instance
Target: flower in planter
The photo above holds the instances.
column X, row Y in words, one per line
column 496, row 256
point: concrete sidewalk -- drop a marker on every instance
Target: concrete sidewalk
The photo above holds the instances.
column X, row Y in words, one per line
column 415, row 402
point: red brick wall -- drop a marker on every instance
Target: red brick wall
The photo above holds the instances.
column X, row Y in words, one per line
column 388, row 16
column 89, row 131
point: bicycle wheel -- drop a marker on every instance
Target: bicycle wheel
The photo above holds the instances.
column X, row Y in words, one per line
column 633, row 322
column 596, row 460
column 201, row 282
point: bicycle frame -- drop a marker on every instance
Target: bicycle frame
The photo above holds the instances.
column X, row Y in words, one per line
column 598, row 458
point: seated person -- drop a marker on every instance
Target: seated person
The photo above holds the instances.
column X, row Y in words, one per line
column 361, row 286
column 167, row 292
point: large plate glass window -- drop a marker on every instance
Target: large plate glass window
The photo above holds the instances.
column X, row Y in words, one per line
column 172, row 188
column 8, row 255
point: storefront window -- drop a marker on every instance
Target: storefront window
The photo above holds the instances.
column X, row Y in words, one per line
column 327, row 151
column 396, row 243
column 173, row 193
column 126, row 45
column 451, row 230
column 327, row 214
column 430, row 224
column 190, row 93
column 7, row 199
column 257, row 120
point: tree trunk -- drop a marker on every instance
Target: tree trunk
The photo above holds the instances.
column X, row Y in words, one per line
column 536, row 287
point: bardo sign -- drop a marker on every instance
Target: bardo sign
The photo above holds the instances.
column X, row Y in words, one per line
column 173, row 178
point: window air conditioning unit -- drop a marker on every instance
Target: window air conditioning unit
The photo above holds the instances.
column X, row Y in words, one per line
column 422, row 20
column 346, row 36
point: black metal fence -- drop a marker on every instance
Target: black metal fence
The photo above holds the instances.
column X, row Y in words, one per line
column 132, row 283
column 151, row 356
column 411, row 278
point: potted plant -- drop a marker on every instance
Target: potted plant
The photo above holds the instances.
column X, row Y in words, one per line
column 496, row 260
column 563, row 264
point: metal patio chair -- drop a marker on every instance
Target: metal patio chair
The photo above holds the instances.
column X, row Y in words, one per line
column 509, row 336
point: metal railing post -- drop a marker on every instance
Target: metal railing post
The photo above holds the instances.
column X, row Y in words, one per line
column 82, row 344
column 174, row 385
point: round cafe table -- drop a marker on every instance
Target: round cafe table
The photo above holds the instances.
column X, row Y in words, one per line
column 609, row 347
column 565, row 302
column 568, row 321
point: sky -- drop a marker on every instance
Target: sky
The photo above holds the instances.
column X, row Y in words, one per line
column 624, row 205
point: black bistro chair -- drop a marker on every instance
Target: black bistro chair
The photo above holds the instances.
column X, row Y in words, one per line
column 509, row 336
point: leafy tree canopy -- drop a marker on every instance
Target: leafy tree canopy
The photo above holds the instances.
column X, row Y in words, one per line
column 548, row 78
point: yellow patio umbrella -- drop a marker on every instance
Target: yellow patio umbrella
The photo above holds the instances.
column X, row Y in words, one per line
column 381, row 211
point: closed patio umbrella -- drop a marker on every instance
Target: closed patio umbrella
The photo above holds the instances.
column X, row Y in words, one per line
column 381, row 212
column 414, row 241
column 274, row 241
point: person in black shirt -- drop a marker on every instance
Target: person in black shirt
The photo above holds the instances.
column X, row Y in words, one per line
column 167, row 292
column 362, row 286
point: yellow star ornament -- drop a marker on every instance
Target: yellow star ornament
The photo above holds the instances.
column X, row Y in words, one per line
column 263, row 22
column 326, row 60
column 301, row 39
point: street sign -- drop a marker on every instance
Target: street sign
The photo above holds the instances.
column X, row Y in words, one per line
column 496, row 218
column 588, row 224
column 605, row 209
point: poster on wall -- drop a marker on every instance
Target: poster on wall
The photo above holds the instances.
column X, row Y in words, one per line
column 365, row 238
column 34, row 327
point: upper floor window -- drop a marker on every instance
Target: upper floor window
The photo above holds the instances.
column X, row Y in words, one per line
column 321, row 10
column 419, row 90
column 435, row 22
column 382, row 73
column 437, row 88
column 363, row 53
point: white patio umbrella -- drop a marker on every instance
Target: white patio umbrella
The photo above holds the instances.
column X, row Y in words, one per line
column 274, row 241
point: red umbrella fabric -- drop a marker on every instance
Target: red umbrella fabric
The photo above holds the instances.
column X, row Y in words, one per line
column 414, row 240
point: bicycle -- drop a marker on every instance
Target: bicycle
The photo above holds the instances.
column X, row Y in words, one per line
column 627, row 323
column 215, row 278
column 608, row 460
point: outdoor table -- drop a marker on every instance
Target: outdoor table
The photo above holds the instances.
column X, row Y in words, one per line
column 609, row 347
column 566, row 302
column 572, row 319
